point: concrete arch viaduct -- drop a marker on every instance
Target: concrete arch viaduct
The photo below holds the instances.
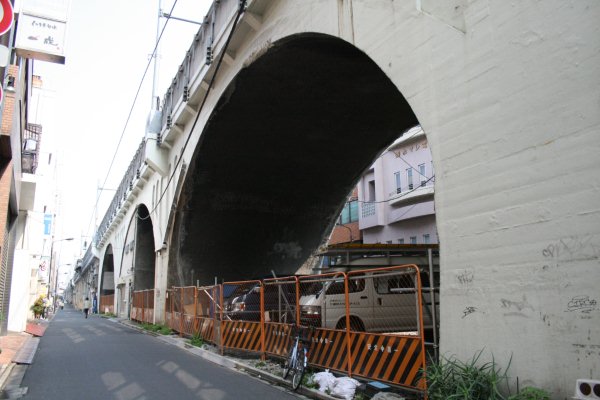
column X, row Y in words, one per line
column 264, row 132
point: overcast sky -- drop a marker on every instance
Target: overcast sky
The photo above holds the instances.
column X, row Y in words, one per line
column 107, row 50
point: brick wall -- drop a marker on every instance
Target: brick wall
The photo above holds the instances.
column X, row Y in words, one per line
column 9, row 104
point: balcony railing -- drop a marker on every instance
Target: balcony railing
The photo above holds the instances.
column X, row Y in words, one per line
column 368, row 209
column 31, row 148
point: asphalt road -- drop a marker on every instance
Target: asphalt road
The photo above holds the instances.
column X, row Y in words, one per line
column 94, row 358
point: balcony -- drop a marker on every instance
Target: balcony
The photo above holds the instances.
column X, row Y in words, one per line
column 368, row 216
column 418, row 195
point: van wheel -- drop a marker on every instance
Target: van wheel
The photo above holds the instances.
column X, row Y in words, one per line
column 356, row 324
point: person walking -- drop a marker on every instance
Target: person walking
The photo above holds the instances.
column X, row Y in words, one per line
column 86, row 306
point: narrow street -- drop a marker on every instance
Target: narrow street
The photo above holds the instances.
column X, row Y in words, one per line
column 96, row 358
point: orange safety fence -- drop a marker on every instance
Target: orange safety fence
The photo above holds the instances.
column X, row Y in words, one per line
column 107, row 303
column 242, row 316
column 142, row 308
column 192, row 310
column 280, row 313
column 328, row 338
column 367, row 323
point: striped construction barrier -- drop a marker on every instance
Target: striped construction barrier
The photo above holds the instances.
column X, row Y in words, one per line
column 277, row 338
column 388, row 358
column 205, row 327
column 328, row 349
column 243, row 335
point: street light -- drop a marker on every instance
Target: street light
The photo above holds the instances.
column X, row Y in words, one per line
column 51, row 257
column 349, row 230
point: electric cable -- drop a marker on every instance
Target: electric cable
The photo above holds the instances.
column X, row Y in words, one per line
column 131, row 111
column 200, row 108
column 399, row 197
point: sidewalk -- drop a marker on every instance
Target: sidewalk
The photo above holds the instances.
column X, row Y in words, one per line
column 10, row 345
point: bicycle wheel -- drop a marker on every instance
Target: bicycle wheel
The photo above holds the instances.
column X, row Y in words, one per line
column 298, row 370
column 287, row 364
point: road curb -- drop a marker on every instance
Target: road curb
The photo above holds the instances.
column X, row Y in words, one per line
column 5, row 374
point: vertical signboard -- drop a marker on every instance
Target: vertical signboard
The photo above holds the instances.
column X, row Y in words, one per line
column 42, row 30
column 47, row 224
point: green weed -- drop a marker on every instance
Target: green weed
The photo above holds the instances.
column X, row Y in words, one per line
column 531, row 393
column 452, row 379
column 197, row 340
column 164, row 330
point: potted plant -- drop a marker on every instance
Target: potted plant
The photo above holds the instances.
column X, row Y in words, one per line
column 38, row 307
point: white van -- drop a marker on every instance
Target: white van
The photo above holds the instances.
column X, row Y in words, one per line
column 379, row 302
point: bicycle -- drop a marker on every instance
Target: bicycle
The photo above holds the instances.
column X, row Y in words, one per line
column 297, row 359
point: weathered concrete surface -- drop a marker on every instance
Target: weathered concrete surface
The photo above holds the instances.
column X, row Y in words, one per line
column 508, row 94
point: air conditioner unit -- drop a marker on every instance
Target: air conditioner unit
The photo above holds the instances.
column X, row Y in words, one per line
column 587, row 389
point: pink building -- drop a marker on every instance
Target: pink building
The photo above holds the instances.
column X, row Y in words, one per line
column 396, row 194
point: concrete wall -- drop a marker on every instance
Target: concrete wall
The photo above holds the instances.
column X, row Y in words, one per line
column 508, row 96
column 510, row 106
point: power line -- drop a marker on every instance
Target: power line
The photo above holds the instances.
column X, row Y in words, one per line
column 398, row 197
column 210, row 85
column 130, row 113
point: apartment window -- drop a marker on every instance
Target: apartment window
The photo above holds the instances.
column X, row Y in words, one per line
column 422, row 174
column 372, row 190
column 398, row 182
column 426, row 238
column 410, row 178
column 349, row 213
column 401, row 241
column 413, row 240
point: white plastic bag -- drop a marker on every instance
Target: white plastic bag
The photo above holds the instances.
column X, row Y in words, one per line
column 325, row 380
column 344, row 388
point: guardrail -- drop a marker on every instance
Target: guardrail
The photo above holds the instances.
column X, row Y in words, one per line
column 199, row 56
column 125, row 187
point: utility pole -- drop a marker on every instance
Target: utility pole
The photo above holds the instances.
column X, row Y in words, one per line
column 51, row 261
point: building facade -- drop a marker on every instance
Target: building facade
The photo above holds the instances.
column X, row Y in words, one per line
column 396, row 194
column 346, row 229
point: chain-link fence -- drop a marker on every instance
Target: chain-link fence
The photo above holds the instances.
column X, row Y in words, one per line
column 280, row 313
column 243, row 316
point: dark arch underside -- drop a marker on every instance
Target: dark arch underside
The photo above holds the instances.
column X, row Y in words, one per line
column 278, row 156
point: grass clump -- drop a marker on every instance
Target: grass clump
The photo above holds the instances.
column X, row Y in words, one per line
column 197, row 340
column 162, row 329
column 452, row 379
column 531, row 393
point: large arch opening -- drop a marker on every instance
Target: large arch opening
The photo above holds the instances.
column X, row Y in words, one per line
column 107, row 278
column 144, row 259
column 284, row 146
